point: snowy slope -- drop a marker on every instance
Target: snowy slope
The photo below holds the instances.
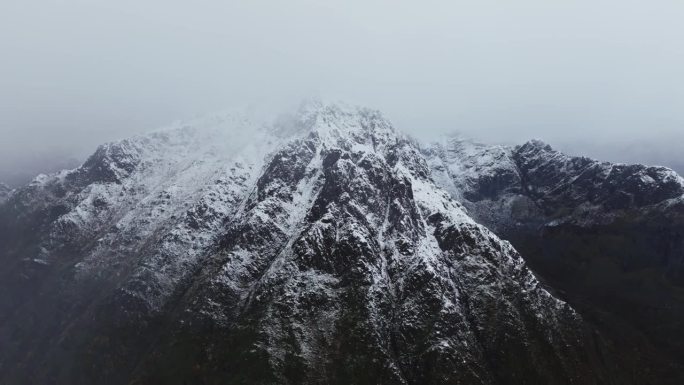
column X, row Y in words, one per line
column 141, row 201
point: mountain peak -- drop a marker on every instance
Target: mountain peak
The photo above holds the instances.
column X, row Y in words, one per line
column 338, row 124
column 538, row 144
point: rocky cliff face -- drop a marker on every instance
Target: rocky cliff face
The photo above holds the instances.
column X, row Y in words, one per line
column 317, row 250
column 609, row 237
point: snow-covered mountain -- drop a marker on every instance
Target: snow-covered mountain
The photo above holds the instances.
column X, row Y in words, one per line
column 316, row 249
column 609, row 236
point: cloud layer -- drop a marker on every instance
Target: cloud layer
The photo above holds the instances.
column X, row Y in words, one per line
column 605, row 72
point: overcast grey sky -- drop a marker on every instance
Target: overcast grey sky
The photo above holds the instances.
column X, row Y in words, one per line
column 606, row 73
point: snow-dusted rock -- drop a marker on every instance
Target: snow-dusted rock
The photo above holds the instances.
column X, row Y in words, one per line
column 503, row 185
column 5, row 192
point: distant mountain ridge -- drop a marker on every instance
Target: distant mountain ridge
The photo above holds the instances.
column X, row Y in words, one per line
column 563, row 187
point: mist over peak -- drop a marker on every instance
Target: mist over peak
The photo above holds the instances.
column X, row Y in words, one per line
column 606, row 73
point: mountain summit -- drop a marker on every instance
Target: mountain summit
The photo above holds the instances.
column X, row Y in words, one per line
column 317, row 249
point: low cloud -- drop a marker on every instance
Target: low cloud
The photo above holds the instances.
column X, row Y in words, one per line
column 591, row 77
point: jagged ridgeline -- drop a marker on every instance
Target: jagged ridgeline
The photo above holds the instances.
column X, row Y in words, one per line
column 315, row 250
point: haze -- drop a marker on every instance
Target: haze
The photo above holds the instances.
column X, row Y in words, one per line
column 602, row 78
